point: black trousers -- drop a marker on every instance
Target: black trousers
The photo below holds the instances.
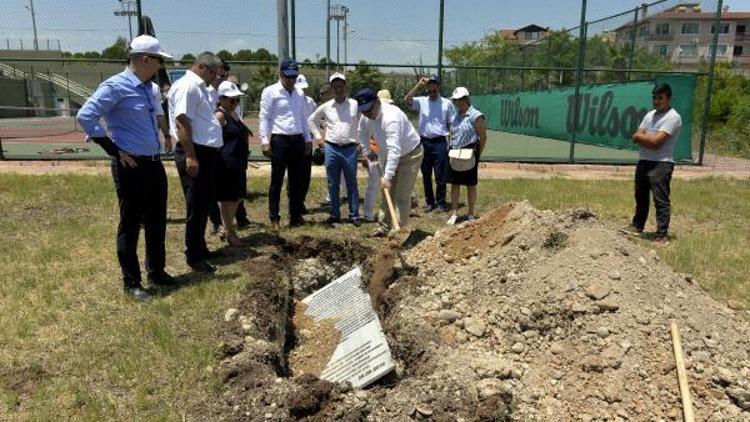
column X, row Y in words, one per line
column 142, row 195
column 653, row 177
column 287, row 152
column 199, row 196
column 435, row 159
column 214, row 214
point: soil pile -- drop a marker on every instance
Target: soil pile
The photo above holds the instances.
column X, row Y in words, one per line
column 521, row 315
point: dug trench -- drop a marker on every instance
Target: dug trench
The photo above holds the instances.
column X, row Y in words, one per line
column 520, row 315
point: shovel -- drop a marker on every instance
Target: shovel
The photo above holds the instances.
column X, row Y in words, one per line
column 373, row 159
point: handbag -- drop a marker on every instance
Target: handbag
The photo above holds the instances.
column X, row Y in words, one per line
column 461, row 159
column 318, row 156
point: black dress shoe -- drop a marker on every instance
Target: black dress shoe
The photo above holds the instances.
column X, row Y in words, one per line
column 137, row 292
column 331, row 221
column 202, row 266
column 243, row 223
column 211, row 254
column 356, row 222
column 162, row 279
column 297, row 222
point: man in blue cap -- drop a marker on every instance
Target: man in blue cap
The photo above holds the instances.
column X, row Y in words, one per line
column 399, row 152
column 131, row 138
column 435, row 116
column 286, row 140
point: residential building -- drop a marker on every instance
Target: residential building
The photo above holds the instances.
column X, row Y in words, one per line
column 684, row 33
column 527, row 35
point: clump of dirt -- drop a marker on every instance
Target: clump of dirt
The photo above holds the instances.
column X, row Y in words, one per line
column 315, row 343
column 522, row 315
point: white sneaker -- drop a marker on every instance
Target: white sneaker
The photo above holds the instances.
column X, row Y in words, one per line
column 452, row 220
column 470, row 217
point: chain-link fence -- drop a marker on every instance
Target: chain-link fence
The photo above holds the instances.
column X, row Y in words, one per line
column 569, row 52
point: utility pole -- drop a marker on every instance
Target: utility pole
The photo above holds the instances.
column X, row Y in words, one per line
column 328, row 38
column 127, row 10
column 294, row 29
column 139, row 13
column 282, row 28
column 30, row 8
column 338, row 12
column 347, row 31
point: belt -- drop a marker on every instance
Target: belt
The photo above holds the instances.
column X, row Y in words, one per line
column 155, row 157
column 349, row 145
column 435, row 139
column 282, row 135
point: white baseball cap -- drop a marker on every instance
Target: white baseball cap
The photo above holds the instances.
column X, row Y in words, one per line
column 229, row 89
column 146, row 44
column 301, row 82
column 385, row 96
column 335, row 76
column 459, row 93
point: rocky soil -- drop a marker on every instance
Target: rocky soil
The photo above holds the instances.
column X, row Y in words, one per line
column 522, row 315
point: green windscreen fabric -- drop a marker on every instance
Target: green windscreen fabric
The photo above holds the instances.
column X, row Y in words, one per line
column 609, row 113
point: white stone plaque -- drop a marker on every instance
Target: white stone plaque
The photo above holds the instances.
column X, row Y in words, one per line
column 362, row 355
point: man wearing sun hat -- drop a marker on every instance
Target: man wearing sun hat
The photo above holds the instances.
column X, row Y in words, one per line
column 131, row 138
column 399, row 152
column 286, row 140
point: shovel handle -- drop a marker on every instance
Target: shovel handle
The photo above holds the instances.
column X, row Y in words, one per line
column 391, row 209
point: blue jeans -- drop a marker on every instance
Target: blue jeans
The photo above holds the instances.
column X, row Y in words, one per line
column 435, row 158
column 344, row 159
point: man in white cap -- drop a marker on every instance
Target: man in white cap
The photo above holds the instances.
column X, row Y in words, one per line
column 285, row 138
column 310, row 105
column 131, row 138
column 198, row 134
column 341, row 118
column 399, row 152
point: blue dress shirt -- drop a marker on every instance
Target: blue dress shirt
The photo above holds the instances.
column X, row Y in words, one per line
column 127, row 105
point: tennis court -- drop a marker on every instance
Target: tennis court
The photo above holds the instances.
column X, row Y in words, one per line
column 63, row 138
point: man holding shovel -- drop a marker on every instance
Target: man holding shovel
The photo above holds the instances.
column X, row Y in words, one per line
column 399, row 155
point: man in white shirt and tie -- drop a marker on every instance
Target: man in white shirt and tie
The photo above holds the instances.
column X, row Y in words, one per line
column 286, row 139
column 341, row 118
column 399, row 152
column 199, row 137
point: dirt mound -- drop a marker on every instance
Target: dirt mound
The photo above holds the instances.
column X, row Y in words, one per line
column 522, row 315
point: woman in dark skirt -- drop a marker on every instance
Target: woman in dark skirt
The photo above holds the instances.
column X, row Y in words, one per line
column 231, row 167
column 468, row 131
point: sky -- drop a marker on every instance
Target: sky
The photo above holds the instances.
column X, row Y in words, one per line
column 382, row 31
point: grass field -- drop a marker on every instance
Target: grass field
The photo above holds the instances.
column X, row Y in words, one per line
column 73, row 347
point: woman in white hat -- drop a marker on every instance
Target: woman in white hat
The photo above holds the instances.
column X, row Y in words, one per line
column 231, row 177
column 469, row 136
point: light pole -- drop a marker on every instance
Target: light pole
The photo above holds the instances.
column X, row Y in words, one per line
column 338, row 13
column 30, row 8
column 129, row 11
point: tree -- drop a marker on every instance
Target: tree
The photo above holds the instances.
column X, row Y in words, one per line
column 187, row 59
column 245, row 55
column 263, row 55
column 364, row 75
column 118, row 50
column 225, row 55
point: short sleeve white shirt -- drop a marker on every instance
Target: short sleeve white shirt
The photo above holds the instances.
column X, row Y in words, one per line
column 188, row 96
column 670, row 123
